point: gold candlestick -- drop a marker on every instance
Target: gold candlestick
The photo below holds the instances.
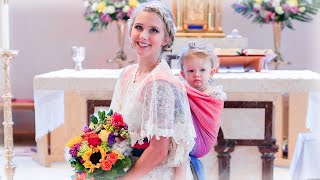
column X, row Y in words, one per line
column 6, row 56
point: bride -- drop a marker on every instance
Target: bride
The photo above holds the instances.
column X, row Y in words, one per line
column 153, row 102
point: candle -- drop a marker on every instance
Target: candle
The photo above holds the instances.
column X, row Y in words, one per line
column 5, row 25
column 209, row 20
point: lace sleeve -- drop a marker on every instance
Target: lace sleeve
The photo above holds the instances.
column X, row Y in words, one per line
column 167, row 113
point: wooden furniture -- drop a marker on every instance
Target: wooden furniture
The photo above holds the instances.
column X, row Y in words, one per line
column 248, row 62
column 21, row 104
column 266, row 146
column 91, row 104
column 288, row 91
column 20, row 133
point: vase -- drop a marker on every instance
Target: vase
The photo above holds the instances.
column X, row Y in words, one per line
column 277, row 28
column 120, row 55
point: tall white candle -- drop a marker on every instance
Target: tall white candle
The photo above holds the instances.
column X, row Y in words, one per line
column 5, row 24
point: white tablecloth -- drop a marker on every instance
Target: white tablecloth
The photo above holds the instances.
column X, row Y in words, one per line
column 49, row 88
column 306, row 161
column 49, row 110
column 313, row 114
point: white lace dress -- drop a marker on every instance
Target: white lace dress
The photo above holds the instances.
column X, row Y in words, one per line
column 157, row 106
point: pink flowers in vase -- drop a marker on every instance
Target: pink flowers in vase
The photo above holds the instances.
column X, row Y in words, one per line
column 101, row 12
column 269, row 11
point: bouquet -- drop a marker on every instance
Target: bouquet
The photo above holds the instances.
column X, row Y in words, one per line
column 103, row 150
column 269, row 11
column 101, row 12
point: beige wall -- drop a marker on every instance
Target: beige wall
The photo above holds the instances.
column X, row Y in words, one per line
column 44, row 31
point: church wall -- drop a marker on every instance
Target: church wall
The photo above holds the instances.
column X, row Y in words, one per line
column 44, row 31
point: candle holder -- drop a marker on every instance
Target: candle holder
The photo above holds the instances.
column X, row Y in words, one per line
column 6, row 56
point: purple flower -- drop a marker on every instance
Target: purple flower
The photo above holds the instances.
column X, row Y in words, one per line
column 294, row 10
column 74, row 150
column 120, row 15
column 81, row 160
column 105, row 18
column 111, row 139
column 86, row 129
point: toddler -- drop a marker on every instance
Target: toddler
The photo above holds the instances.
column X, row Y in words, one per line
column 198, row 65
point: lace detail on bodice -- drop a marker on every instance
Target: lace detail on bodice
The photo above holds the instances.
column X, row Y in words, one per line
column 157, row 106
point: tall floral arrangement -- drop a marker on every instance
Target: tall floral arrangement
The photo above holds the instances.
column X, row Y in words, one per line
column 269, row 11
column 101, row 12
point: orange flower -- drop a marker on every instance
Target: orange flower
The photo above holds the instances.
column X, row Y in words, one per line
column 112, row 157
column 106, row 165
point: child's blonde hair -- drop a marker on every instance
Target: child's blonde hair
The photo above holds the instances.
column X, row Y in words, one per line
column 165, row 15
column 197, row 50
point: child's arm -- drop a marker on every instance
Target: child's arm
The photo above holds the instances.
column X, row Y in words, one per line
column 181, row 171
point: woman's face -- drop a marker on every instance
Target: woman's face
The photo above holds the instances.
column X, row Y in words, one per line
column 148, row 34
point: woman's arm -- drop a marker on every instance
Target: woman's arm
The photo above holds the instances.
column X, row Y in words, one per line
column 152, row 156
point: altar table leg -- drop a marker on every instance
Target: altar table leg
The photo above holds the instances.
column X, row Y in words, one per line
column 224, row 160
column 42, row 153
column 267, row 160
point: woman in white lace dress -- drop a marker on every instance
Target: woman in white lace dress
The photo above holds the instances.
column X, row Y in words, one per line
column 153, row 102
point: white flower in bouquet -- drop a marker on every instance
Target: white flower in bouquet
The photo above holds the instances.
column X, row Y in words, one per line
column 94, row 6
column 126, row 8
column 111, row 9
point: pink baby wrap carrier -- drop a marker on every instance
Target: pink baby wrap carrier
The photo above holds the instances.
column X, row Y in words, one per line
column 205, row 112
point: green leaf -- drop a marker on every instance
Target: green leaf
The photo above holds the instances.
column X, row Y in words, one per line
column 102, row 116
column 94, row 119
column 110, row 112
column 79, row 167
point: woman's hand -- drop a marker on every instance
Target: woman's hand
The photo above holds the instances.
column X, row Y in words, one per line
column 152, row 156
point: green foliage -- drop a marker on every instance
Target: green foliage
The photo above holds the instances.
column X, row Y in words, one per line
column 94, row 119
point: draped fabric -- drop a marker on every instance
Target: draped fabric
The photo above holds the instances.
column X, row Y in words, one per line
column 206, row 112
column 156, row 106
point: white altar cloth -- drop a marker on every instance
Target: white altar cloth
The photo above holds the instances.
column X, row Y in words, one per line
column 60, row 103
column 52, row 84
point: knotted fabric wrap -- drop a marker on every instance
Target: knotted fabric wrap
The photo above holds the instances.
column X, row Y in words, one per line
column 206, row 112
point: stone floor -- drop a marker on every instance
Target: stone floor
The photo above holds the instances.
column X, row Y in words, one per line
column 27, row 169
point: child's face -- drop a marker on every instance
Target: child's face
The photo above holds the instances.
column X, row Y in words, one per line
column 197, row 72
column 148, row 34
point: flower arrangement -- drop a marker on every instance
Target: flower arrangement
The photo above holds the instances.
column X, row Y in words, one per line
column 103, row 150
column 101, row 12
column 269, row 11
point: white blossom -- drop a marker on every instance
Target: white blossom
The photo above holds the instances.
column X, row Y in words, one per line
column 302, row 9
column 118, row 4
column 94, row 6
column 256, row 6
column 110, row 9
column 125, row 9
column 275, row 3
column 279, row 10
column 86, row 4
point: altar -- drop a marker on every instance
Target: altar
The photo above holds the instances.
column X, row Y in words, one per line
column 61, row 109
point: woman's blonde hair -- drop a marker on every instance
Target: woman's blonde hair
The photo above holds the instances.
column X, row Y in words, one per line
column 165, row 15
column 198, row 50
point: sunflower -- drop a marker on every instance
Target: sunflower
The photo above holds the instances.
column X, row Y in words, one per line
column 92, row 158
